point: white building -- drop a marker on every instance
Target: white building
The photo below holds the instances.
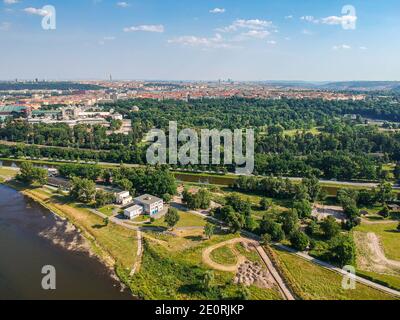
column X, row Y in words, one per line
column 151, row 204
column 123, row 198
column 133, row 212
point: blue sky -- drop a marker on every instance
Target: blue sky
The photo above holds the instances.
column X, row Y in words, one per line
column 201, row 40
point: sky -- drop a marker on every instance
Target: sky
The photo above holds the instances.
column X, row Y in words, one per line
column 243, row 40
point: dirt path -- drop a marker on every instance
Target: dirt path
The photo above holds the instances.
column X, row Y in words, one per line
column 378, row 255
column 371, row 256
column 233, row 268
column 366, row 221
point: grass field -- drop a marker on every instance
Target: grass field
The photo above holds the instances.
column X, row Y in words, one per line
column 107, row 210
column 7, row 173
column 224, row 255
column 176, row 275
column 316, row 283
column 388, row 236
column 292, row 133
column 187, row 219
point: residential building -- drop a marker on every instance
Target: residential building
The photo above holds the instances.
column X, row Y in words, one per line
column 123, row 198
column 151, row 204
column 133, row 212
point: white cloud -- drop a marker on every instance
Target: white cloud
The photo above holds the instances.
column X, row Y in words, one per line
column 253, row 24
column 34, row 11
column 341, row 47
column 192, row 41
column 146, row 28
column 288, row 17
column 123, row 4
column 334, row 20
column 10, row 1
column 258, row 34
column 309, row 19
column 363, row 48
column 331, row 20
column 218, row 10
column 5, row 26
column 272, row 42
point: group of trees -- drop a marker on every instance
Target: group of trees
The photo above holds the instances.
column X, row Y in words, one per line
column 84, row 190
column 341, row 149
column 32, row 175
column 198, row 200
column 157, row 181
column 280, row 188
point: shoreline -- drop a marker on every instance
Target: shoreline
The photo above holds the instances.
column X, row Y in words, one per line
column 92, row 248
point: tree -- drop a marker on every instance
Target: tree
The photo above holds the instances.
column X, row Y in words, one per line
column 106, row 220
column 172, row 217
column 266, row 239
column 207, row 280
column 313, row 228
column 299, row 240
column 265, row 204
column 313, row 187
column 384, row 193
column 125, row 184
column 235, row 221
column 330, row 227
column 32, row 175
column 303, row 208
column 290, row 222
column 83, row 190
column 209, row 230
column 343, row 251
column 385, row 212
column 103, row 198
column 274, row 229
column 398, row 227
column 244, row 293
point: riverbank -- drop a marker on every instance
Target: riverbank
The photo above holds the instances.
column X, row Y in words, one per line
column 113, row 245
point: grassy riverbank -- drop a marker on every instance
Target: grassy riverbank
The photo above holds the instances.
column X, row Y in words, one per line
column 113, row 244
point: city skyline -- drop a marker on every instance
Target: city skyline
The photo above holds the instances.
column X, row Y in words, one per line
column 207, row 40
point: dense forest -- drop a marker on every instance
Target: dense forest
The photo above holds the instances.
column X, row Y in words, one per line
column 330, row 139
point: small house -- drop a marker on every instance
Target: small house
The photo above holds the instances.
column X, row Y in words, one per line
column 133, row 212
column 123, row 198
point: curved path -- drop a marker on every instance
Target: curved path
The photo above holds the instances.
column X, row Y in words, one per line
column 231, row 268
column 378, row 255
column 285, row 292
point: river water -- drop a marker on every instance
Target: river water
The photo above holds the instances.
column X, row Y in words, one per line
column 32, row 237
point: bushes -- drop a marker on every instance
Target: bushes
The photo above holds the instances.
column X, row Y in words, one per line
column 330, row 227
column 299, row 240
column 200, row 200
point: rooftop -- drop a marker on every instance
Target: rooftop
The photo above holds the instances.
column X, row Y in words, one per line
column 147, row 199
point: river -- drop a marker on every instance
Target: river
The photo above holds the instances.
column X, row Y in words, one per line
column 32, row 237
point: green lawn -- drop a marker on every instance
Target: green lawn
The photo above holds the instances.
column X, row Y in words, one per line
column 292, row 133
column 224, row 256
column 187, row 219
column 107, row 210
column 388, row 236
column 316, row 283
column 7, row 173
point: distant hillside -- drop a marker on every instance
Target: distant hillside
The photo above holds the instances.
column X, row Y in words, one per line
column 363, row 85
column 5, row 86
column 337, row 86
